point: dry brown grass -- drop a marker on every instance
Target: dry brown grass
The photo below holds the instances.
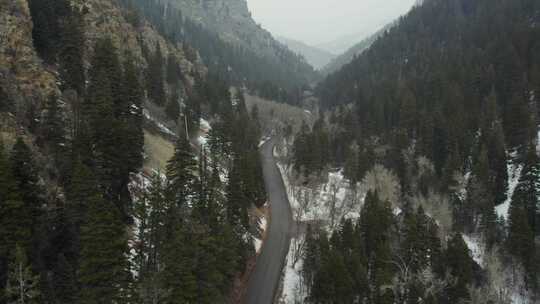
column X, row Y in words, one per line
column 158, row 150
column 274, row 115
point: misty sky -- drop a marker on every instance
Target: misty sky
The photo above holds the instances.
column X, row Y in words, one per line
column 322, row 21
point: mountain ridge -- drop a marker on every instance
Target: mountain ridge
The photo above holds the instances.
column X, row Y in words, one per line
column 318, row 58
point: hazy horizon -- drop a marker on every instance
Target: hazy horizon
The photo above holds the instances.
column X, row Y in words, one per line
column 326, row 20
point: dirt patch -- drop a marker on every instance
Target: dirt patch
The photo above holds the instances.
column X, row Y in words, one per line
column 158, row 151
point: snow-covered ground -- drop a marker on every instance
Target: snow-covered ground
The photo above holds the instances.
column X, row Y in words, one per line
column 161, row 126
column 263, row 141
column 293, row 289
column 205, row 125
column 476, row 246
column 258, row 242
column 204, row 128
column 514, row 173
column 325, row 203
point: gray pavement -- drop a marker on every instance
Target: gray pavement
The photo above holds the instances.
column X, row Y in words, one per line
column 263, row 282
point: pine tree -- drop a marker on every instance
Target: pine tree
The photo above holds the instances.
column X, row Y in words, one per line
column 71, row 52
column 151, row 212
column 311, row 258
column 173, row 107
column 520, row 240
column 132, row 115
column 352, row 166
column 236, row 215
column 22, row 286
column 460, row 264
column 408, row 112
column 479, row 201
column 527, row 192
column 53, row 125
column 179, row 263
column 523, row 215
column 43, row 31
column 64, row 281
column 25, row 173
column 236, row 199
column 173, row 70
column 516, row 114
column 104, row 270
column 156, row 90
column 376, row 220
column 5, row 102
column 15, row 216
column 181, row 170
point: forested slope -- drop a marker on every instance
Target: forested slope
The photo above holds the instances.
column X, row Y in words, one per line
column 81, row 83
column 442, row 110
column 235, row 50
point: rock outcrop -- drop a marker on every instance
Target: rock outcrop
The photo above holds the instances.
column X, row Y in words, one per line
column 23, row 76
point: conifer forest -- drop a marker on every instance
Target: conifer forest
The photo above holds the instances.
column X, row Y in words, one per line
column 183, row 152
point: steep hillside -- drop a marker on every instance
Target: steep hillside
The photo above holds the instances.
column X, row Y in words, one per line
column 420, row 182
column 339, row 61
column 105, row 195
column 231, row 44
column 232, row 21
column 22, row 74
column 318, row 58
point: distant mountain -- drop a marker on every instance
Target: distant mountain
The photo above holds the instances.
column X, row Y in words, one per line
column 343, row 43
column 318, row 58
column 357, row 49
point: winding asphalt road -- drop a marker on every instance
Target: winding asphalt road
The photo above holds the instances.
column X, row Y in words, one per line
column 263, row 282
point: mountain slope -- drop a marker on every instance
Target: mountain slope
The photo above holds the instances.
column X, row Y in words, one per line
column 318, row 58
column 335, row 64
column 96, row 200
column 230, row 43
column 342, row 44
column 436, row 124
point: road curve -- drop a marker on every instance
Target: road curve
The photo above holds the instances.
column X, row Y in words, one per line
column 263, row 281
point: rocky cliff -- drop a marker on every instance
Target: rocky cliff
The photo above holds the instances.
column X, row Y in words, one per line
column 23, row 77
column 232, row 20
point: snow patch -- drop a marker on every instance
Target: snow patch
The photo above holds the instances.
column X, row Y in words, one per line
column 202, row 140
column 204, row 128
column 161, row 126
column 326, row 203
column 263, row 141
column 476, row 247
column 204, row 125
column 258, row 244
column 514, row 174
column 293, row 288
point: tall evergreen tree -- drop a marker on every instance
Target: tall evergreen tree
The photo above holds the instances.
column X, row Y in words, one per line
column 376, row 221
column 104, row 270
column 460, row 264
column 156, row 90
column 181, row 170
column 53, row 125
column 64, row 281
column 23, row 284
column 71, row 52
column 131, row 115
column 25, row 173
column 14, row 217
